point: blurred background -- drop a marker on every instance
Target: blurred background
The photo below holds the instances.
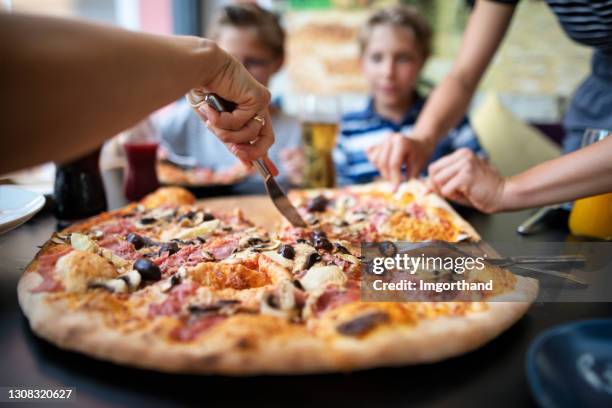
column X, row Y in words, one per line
column 534, row 74
column 516, row 113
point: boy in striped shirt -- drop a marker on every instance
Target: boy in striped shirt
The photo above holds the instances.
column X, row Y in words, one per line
column 395, row 43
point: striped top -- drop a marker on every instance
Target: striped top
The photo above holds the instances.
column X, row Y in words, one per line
column 588, row 22
column 360, row 130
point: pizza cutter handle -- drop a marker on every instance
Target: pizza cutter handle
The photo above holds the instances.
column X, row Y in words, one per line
column 223, row 105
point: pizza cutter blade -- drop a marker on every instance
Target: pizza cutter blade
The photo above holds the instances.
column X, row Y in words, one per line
column 279, row 198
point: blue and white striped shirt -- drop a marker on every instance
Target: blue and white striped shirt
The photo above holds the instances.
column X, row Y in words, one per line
column 360, row 130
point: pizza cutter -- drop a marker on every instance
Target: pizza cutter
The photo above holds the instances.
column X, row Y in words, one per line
column 279, row 198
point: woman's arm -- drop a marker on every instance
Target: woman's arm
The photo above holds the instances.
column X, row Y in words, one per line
column 467, row 179
column 448, row 102
column 582, row 173
column 68, row 85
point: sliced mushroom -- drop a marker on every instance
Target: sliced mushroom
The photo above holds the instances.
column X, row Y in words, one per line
column 132, row 278
column 173, row 280
column 267, row 246
column 362, row 324
column 112, row 285
column 222, row 306
column 280, row 303
column 303, row 257
column 198, row 218
column 60, row 239
column 251, row 240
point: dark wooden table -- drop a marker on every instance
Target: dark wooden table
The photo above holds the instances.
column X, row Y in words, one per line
column 492, row 375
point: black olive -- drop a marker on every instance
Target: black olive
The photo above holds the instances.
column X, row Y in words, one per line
column 149, row 242
column 312, row 259
column 254, row 241
column 324, row 244
column 387, row 248
column 318, row 234
column 147, row 269
column 287, row 251
column 301, row 241
column 208, row 217
column 175, row 280
column 341, row 249
column 318, row 204
column 148, row 220
column 135, row 240
column 171, row 247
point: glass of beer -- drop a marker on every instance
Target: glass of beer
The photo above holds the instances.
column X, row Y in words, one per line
column 592, row 216
column 320, row 115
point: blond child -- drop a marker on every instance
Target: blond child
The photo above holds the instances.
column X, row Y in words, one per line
column 255, row 38
column 395, row 43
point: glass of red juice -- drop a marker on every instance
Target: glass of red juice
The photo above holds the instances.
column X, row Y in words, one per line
column 140, row 145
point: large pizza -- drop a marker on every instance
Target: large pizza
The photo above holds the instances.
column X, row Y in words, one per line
column 170, row 285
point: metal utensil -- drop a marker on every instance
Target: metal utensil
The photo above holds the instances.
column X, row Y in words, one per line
column 556, row 274
column 530, row 224
column 279, row 198
column 522, row 260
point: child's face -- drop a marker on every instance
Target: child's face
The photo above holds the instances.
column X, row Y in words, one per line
column 391, row 63
column 244, row 45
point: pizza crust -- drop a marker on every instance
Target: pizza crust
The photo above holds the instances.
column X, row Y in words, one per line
column 260, row 344
column 247, row 345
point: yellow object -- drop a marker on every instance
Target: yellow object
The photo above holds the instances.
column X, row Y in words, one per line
column 592, row 217
column 319, row 140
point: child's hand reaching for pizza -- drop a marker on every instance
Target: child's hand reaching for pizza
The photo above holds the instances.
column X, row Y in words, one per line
column 469, row 180
column 398, row 150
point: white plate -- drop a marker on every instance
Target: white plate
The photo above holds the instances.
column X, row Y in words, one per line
column 17, row 205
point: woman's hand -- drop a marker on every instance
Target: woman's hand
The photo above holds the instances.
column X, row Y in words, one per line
column 246, row 131
column 469, row 180
column 395, row 151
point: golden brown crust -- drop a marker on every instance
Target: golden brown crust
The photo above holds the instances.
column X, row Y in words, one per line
column 244, row 345
column 170, row 196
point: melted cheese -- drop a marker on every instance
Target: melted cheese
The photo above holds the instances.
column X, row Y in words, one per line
column 319, row 276
column 77, row 268
column 201, row 230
